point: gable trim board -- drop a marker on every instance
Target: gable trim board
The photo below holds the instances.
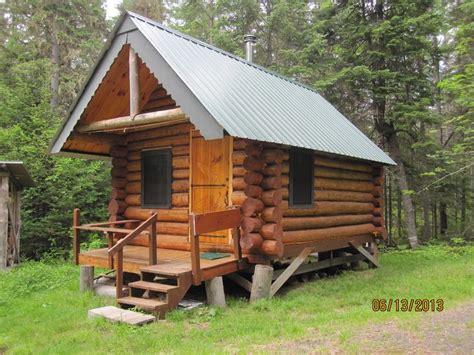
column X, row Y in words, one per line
column 220, row 93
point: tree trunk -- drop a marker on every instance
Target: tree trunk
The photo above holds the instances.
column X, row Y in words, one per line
column 425, row 199
column 55, row 58
column 407, row 202
column 470, row 231
column 443, row 218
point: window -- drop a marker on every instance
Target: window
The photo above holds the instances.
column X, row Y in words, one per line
column 301, row 178
column 156, row 178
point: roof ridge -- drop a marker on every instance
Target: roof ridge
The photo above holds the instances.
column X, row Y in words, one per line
column 218, row 50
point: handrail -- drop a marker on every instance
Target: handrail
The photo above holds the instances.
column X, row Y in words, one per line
column 118, row 249
column 132, row 235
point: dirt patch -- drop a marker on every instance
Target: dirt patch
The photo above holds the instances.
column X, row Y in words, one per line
column 448, row 332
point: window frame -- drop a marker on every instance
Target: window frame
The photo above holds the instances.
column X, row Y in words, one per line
column 166, row 152
column 300, row 151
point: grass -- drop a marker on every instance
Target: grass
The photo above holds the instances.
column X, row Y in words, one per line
column 42, row 311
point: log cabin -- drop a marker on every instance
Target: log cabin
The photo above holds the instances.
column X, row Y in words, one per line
column 213, row 154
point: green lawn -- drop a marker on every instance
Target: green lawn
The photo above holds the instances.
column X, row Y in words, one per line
column 41, row 309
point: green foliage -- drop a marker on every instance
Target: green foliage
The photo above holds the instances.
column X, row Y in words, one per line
column 28, row 119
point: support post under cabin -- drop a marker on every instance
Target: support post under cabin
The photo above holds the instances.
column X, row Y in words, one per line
column 262, row 281
column 215, row 292
column 3, row 221
column 86, row 281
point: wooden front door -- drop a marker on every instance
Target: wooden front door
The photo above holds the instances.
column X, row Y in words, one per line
column 210, row 176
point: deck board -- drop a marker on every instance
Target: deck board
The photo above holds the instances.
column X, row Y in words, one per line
column 134, row 257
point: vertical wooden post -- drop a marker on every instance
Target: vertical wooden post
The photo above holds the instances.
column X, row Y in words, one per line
column 153, row 259
column 215, row 292
column 236, row 242
column 134, row 84
column 195, row 257
column 110, row 237
column 261, row 283
column 76, row 220
column 119, row 274
column 3, row 221
column 17, row 225
column 86, row 282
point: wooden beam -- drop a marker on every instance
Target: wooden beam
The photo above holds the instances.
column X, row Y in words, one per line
column 134, row 83
column 319, row 265
column 240, row 280
column 174, row 114
column 102, row 138
column 289, row 271
column 365, row 253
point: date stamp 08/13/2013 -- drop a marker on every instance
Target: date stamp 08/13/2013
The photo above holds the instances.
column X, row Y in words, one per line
column 407, row 305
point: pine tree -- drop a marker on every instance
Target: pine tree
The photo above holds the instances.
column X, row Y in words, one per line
column 386, row 51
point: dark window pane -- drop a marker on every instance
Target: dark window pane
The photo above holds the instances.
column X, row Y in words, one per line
column 156, row 178
column 301, row 178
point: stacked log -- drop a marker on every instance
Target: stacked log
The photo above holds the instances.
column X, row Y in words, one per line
column 117, row 204
column 346, row 195
column 247, row 192
column 379, row 221
column 272, row 196
column 173, row 222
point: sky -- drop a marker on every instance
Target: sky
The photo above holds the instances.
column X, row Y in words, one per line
column 111, row 7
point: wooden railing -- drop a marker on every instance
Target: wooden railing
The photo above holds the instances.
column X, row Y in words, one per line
column 118, row 249
column 208, row 223
column 108, row 228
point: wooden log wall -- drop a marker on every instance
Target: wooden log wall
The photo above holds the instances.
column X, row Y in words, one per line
column 172, row 226
column 117, row 204
column 257, row 189
column 348, row 202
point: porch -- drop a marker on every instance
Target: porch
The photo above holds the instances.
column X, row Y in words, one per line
column 165, row 274
column 136, row 257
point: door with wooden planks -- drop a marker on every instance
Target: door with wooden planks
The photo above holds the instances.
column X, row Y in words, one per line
column 210, row 179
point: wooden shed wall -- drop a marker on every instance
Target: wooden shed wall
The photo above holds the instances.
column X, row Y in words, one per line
column 125, row 202
column 348, row 200
column 348, row 194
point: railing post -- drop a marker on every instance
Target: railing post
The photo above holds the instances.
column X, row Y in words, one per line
column 153, row 258
column 119, row 274
column 236, row 242
column 110, row 237
column 76, row 220
column 195, row 257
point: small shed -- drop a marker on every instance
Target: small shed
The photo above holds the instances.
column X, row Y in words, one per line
column 13, row 179
column 191, row 130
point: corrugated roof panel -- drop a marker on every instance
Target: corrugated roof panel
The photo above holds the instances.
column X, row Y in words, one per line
column 250, row 102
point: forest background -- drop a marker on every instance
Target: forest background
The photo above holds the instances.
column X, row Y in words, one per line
column 401, row 70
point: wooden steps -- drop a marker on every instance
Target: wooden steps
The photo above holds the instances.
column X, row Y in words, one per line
column 165, row 269
column 143, row 303
column 152, row 286
column 160, row 289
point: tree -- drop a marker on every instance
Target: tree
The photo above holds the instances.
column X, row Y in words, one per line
column 387, row 46
column 38, row 82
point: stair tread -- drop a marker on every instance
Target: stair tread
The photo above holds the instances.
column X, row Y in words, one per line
column 153, row 286
column 142, row 302
column 166, row 269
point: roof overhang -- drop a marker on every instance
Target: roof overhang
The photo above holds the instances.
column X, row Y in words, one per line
column 17, row 171
column 127, row 33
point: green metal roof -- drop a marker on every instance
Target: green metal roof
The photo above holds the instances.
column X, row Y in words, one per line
column 220, row 91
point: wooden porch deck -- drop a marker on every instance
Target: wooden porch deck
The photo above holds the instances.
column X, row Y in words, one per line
column 136, row 257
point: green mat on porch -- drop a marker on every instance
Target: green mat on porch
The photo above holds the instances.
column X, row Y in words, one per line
column 214, row 256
